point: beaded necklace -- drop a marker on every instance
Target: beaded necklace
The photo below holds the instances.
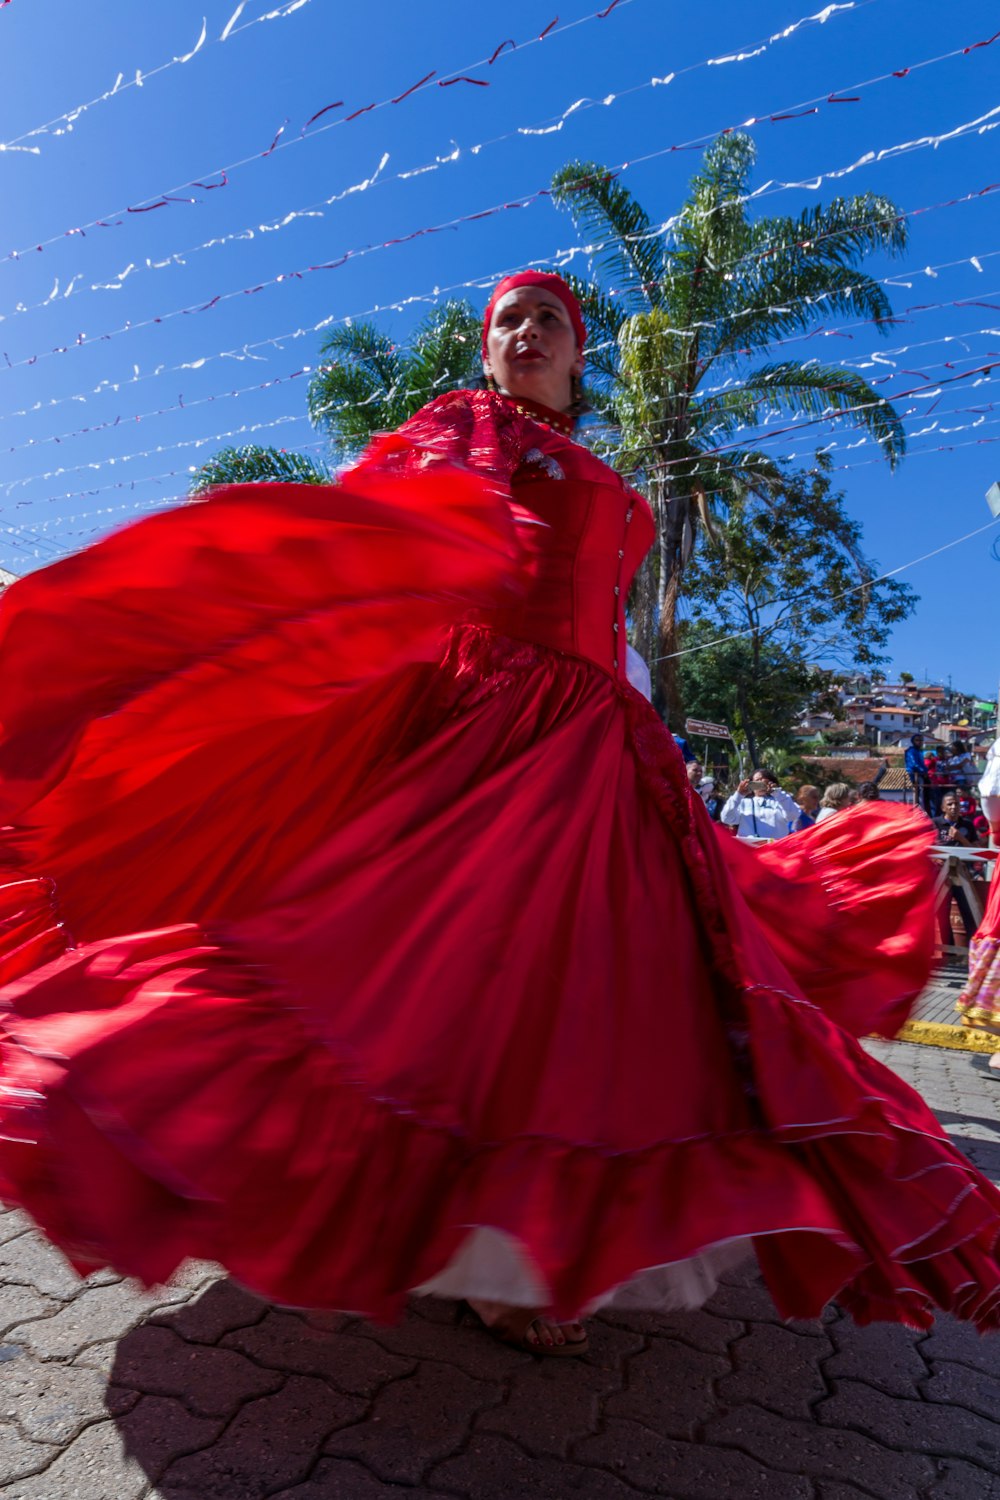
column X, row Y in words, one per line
column 559, row 421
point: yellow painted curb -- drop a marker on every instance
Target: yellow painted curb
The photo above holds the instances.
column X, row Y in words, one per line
column 936, row 1034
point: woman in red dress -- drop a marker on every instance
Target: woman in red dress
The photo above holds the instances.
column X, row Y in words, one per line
column 363, row 933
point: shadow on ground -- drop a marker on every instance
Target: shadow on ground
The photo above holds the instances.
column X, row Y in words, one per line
column 240, row 1400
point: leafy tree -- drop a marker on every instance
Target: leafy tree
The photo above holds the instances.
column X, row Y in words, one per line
column 782, row 583
column 368, row 383
column 683, row 327
column 906, row 678
column 251, row 463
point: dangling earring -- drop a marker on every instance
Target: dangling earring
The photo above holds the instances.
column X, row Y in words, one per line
column 491, row 384
column 575, row 392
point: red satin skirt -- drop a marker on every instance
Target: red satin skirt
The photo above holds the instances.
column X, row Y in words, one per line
column 363, row 958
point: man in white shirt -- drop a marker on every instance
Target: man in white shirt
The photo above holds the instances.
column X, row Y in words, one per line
column 759, row 809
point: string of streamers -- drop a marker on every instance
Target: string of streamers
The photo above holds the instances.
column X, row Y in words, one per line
column 317, row 210
column 928, row 390
column 873, row 359
column 185, row 474
column 561, row 259
column 247, row 352
column 277, row 144
column 65, row 123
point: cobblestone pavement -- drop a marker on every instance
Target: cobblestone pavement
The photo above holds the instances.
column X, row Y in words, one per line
column 200, row 1390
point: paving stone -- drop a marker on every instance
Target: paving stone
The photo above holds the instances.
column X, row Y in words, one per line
column 340, row 1479
column 95, row 1314
column 960, row 1481
column 469, row 1347
column 885, row 1355
column 751, row 1303
column 93, row 1467
column 19, row 1455
column 776, row 1367
column 701, row 1329
column 669, row 1388
column 960, row 1343
column 961, row 1386
column 270, row 1445
column 687, row 1471
column 211, row 1382
column 610, row 1350
column 221, row 1308
column 51, row 1402
column 551, row 1403
column 490, row 1468
column 32, row 1261
column 840, row 1492
column 916, row 1426
column 282, row 1341
column 19, row 1303
column 159, row 1430
column 12, row 1223
column 415, row 1422
column 821, row 1453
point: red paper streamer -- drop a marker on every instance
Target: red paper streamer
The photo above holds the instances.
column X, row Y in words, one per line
column 987, row 43
column 548, row 28
column 413, row 87
column 274, row 143
column 362, row 111
column 446, row 83
column 208, row 186
column 507, row 43
column 849, row 99
column 800, row 114
column 602, row 15
column 337, row 104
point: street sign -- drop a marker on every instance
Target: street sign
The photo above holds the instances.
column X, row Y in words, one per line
column 993, row 499
column 707, row 731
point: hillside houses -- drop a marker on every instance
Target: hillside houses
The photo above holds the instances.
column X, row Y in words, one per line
column 881, row 715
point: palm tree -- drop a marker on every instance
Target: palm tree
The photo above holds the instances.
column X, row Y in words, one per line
column 368, row 383
column 251, row 463
column 683, row 326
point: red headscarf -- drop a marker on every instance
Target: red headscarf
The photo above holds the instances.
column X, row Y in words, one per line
column 551, row 282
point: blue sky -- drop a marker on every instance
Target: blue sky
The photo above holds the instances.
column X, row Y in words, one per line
column 225, row 105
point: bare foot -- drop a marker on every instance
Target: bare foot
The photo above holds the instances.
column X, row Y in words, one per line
column 524, row 1325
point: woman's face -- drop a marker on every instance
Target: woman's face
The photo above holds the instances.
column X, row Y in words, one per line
column 531, row 348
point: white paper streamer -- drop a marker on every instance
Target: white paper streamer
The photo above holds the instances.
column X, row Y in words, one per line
column 64, row 123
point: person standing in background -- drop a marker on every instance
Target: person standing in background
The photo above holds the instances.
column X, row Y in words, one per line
column 759, row 809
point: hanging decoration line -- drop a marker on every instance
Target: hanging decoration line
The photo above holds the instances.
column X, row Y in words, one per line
column 113, row 219
column 247, row 352
column 874, row 359
column 65, row 123
column 800, row 420
column 316, row 210
column 563, row 258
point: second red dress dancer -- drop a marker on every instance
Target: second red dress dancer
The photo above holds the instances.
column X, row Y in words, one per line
column 361, row 930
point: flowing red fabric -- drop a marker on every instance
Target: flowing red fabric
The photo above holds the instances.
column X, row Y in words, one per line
column 357, row 904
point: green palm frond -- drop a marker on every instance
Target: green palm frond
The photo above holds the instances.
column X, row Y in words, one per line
column 626, row 249
column 821, row 391
column 253, row 465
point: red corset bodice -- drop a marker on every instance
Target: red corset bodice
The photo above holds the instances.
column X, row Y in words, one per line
column 588, row 536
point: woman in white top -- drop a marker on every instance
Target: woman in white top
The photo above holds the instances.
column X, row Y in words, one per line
column 836, row 797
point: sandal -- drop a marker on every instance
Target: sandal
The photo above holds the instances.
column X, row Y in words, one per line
column 513, row 1327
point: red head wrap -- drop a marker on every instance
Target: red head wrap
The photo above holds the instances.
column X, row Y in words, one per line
column 551, row 283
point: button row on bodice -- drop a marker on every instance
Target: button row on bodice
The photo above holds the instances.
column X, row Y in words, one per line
column 615, row 626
